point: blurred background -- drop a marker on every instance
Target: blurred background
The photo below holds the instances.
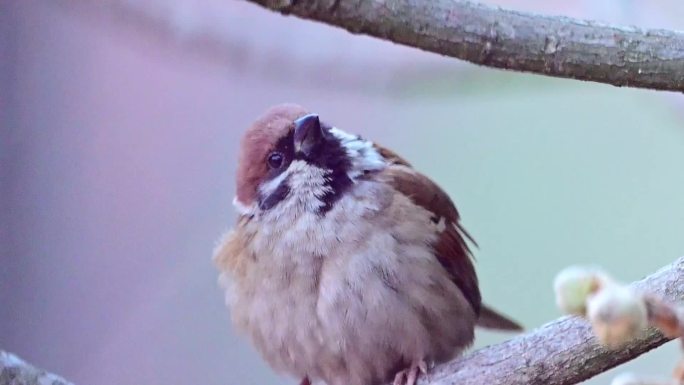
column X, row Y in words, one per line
column 120, row 121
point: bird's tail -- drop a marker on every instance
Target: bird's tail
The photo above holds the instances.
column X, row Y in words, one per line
column 491, row 319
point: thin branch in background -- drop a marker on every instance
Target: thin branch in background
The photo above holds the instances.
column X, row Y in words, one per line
column 494, row 37
column 158, row 22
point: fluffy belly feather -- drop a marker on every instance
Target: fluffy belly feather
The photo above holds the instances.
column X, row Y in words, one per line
column 349, row 304
column 356, row 329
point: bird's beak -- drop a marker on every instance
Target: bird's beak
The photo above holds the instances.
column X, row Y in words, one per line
column 308, row 134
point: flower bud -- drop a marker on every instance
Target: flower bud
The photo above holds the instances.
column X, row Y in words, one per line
column 617, row 315
column 574, row 285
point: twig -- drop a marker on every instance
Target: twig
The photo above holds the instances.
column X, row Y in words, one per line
column 14, row 371
column 495, row 37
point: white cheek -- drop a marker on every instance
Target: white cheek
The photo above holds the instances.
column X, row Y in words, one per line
column 270, row 186
column 298, row 212
column 242, row 208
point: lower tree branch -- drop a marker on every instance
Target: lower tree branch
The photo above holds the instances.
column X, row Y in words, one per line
column 494, row 37
column 14, row 371
column 562, row 352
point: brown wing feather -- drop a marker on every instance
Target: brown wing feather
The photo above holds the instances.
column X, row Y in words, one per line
column 451, row 249
column 391, row 156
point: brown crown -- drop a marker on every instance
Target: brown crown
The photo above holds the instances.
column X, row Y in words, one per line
column 259, row 140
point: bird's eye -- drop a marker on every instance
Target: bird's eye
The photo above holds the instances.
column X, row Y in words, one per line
column 275, row 160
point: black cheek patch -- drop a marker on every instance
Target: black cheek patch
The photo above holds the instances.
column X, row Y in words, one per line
column 280, row 193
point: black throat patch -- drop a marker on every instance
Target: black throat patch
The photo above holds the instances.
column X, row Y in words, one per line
column 338, row 183
column 328, row 155
column 332, row 157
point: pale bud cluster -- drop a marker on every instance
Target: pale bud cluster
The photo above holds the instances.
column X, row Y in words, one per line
column 574, row 285
column 617, row 314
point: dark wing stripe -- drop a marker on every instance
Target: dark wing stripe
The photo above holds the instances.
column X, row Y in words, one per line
column 453, row 254
column 451, row 249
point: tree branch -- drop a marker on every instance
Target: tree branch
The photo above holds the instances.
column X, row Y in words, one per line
column 562, row 352
column 14, row 371
column 494, row 37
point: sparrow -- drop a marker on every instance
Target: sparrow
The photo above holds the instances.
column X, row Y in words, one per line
column 346, row 265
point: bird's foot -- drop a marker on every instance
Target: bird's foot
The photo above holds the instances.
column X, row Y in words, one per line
column 409, row 375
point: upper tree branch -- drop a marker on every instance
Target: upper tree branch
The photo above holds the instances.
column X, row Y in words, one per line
column 491, row 36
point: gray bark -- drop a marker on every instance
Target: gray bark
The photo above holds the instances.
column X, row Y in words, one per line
column 14, row 371
column 495, row 37
column 561, row 352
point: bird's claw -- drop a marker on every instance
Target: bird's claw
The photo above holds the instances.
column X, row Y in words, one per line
column 409, row 376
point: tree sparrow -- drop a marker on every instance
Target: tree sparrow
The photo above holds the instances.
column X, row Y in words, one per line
column 346, row 265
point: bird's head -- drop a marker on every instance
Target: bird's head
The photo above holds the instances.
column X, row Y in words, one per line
column 289, row 154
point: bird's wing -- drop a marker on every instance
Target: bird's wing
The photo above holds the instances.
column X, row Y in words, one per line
column 451, row 249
